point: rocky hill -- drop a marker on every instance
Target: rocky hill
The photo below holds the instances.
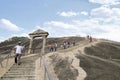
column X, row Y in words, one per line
column 97, row 60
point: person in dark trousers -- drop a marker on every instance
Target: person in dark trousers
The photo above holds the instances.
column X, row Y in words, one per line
column 18, row 52
column 74, row 43
column 90, row 39
column 64, row 45
column 55, row 46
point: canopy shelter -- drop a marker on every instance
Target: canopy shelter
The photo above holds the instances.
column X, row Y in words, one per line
column 38, row 33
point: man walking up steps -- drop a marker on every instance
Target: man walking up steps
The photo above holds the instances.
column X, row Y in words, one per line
column 18, row 53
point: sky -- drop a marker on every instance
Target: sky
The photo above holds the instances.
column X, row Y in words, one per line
column 97, row 18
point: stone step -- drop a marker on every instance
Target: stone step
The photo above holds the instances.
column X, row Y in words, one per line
column 26, row 61
column 14, row 77
column 20, row 73
column 18, row 78
column 24, row 71
column 26, row 66
column 23, row 65
column 16, row 68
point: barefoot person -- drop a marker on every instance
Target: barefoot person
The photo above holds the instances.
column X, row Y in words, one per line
column 18, row 53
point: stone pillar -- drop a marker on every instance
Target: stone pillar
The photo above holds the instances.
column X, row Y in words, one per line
column 30, row 46
column 44, row 43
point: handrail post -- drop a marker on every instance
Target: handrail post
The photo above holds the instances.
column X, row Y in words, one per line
column 46, row 71
column 7, row 60
column 45, row 75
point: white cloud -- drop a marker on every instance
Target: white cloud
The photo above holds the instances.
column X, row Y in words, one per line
column 106, row 14
column 59, row 28
column 106, row 2
column 111, row 34
column 90, row 26
column 6, row 24
column 102, row 12
column 103, row 22
column 60, row 24
column 84, row 13
column 68, row 14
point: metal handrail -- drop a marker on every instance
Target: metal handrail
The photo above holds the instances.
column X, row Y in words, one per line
column 8, row 56
column 3, row 58
column 47, row 72
column 1, row 63
column 8, row 45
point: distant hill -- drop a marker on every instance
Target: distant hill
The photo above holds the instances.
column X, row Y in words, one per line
column 7, row 45
column 37, row 43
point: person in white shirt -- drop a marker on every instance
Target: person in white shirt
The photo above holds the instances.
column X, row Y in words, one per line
column 18, row 53
column 55, row 46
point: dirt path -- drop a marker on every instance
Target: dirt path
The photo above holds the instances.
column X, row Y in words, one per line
column 75, row 64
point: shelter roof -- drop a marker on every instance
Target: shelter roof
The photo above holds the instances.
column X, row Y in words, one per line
column 39, row 31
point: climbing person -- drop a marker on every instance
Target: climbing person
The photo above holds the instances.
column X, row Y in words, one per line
column 68, row 44
column 90, row 38
column 55, row 46
column 18, row 53
column 74, row 43
column 51, row 47
column 87, row 38
column 64, row 45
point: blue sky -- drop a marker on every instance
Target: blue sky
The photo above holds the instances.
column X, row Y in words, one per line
column 98, row 18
